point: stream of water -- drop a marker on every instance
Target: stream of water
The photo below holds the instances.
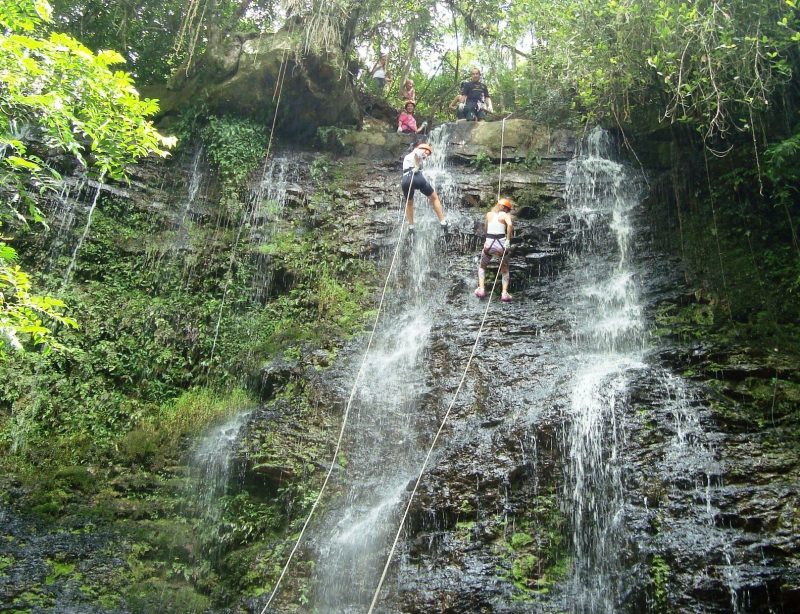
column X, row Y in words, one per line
column 608, row 337
column 388, row 435
column 610, row 340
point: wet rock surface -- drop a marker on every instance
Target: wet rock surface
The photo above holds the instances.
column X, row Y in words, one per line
column 708, row 464
column 710, row 496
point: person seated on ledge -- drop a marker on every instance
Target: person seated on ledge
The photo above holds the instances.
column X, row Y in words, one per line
column 406, row 123
column 457, row 105
column 475, row 96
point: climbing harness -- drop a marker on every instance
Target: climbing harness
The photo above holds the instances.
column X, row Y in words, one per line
column 495, row 239
column 449, row 408
column 346, row 415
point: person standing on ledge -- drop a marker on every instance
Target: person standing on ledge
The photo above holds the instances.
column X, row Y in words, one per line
column 499, row 229
column 413, row 179
column 408, row 91
column 475, row 96
column 378, row 73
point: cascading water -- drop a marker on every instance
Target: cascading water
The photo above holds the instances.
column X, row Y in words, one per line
column 257, row 224
column 266, row 209
column 211, row 464
column 610, row 346
column 609, row 338
column 387, row 433
column 216, row 470
column 82, row 238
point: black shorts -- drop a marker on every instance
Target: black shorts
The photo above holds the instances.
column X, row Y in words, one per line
column 473, row 111
column 419, row 183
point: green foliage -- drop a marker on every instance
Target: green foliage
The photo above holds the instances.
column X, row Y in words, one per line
column 520, row 540
column 190, row 414
column 326, row 293
column 321, row 169
column 81, row 106
column 148, row 44
column 331, row 138
column 720, row 62
column 76, row 478
column 659, row 577
column 235, row 146
column 741, row 253
column 481, row 162
column 781, row 169
column 21, row 312
column 536, row 549
column 60, row 570
column 157, row 595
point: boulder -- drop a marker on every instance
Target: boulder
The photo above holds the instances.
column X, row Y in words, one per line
column 520, row 139
column 250, row 76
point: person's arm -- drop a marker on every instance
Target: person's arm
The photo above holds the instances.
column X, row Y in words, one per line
column 487, row 101
column 509, row 230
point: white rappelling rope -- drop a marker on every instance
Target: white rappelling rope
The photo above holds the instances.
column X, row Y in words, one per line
column 349, row 404
column 502, row 144
column 449, row 409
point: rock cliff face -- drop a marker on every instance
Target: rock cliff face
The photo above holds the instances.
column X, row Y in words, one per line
column 492, row 526
column 704, row 471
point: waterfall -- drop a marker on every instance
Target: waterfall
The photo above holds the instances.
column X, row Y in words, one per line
column 609, row 338
column 216, row 473
column 257, row 224
column 387, row 431
column 211, row 464
column 266, row 210
column 82, row 237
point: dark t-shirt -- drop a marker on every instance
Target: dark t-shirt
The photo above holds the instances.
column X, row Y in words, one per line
column 474, row 91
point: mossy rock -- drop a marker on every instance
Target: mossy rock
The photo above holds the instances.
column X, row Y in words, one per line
column 77, row 478
column 156, row 595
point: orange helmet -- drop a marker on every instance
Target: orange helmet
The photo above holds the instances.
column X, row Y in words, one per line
column 426, row 147
column 505, row 203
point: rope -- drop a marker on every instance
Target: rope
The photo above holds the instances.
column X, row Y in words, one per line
column 447, row 413
column 502, row 144
column 278, row 92
column 347, row 407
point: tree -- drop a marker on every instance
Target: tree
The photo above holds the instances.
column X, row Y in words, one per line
column 75, row 102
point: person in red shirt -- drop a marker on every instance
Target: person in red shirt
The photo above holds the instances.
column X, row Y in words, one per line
column 406, row 123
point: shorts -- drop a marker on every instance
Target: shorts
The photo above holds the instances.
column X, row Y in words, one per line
column 419, row 183
column 473, row 111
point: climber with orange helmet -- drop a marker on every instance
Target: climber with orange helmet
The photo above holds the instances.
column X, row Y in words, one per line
column 413, row 179
column 499, row 229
